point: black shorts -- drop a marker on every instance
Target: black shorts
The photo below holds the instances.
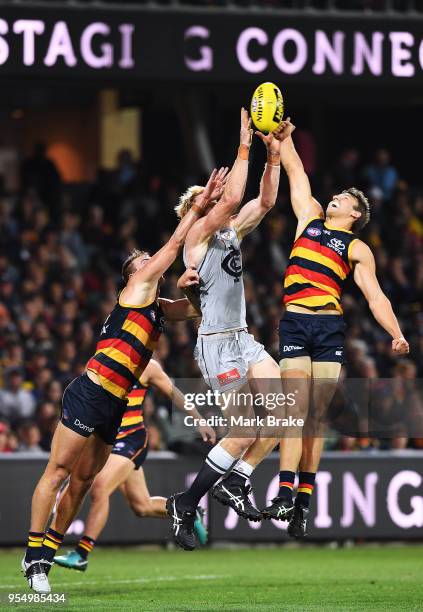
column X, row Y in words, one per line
column 320, row 337
column 134, row 447
column 88, row 408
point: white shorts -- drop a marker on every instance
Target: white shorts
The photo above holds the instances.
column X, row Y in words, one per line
column 224, row 358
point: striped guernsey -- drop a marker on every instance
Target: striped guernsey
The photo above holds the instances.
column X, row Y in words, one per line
column 127, row 341
column 318, row 266
column 133, row 418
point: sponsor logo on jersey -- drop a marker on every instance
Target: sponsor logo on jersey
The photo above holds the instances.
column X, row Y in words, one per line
column 337, row 245
column 119, row 445
column 291, row 347
column 232, row 264
column 227, row 377
column 339, row 353
column 313, row 231
column 78, row 423
column 327, row 232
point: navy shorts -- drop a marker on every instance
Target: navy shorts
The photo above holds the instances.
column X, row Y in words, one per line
column 88, row 408
column 320, row 337
column 134, row 447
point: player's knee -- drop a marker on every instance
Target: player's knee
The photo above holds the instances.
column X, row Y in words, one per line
column 56, row 474
column 242, row 444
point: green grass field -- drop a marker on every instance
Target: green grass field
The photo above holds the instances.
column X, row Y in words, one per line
column 309, row 578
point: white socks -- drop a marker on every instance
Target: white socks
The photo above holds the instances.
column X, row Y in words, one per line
column 219, row 460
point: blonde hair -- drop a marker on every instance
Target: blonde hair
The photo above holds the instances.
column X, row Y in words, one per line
column 187, row 200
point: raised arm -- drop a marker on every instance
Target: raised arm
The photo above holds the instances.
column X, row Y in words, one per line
column 303, row 203
column 221, row 213
column 157, row 265
column 155, row 376
column 379, row 304
column 253, row 212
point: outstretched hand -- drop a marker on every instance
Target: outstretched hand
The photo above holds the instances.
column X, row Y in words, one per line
column 246, row 133
column 284, row 130
column 215, row 184
column 272, row 143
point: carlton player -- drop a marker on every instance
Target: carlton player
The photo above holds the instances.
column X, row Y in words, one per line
column 94, row 403
column 312, row 331
column 230, row 359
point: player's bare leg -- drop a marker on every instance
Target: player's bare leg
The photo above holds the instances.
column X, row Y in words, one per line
column 139, row 499
column 116, row 470
column 296, row 382
column 65, row 451
column 89, row 464
column 325, row 377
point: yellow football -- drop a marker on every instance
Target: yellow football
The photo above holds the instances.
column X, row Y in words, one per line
column 267, row 107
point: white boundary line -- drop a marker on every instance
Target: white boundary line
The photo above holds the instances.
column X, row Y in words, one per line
column 128, row 581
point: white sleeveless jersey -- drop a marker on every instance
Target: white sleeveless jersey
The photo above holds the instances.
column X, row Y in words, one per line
column 221, row 288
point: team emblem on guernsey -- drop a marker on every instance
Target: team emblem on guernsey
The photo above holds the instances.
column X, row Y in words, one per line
column 232, row 264
column 313, row 231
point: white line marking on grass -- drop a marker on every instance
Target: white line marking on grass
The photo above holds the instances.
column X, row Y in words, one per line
column 128, row 581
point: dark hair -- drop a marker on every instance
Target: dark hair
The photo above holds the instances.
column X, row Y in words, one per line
column 363, row 206
column 127, row 267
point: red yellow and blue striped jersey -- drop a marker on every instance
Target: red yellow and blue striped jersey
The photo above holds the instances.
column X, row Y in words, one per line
column 127, row 340
column 133, row 418
column 318, row 266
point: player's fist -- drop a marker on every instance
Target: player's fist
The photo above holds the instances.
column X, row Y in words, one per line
column 284, row 130
column 400, row 346
column 207, row 433
column 188, row 278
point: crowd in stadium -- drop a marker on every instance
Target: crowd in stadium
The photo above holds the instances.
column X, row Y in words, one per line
column 61, row 250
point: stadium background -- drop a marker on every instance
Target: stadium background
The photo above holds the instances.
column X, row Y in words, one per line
column 93, row 156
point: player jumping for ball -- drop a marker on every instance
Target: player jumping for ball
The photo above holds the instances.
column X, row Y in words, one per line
column 124, row 471
column 94, row 403
column 228, row 356
column 312, row 331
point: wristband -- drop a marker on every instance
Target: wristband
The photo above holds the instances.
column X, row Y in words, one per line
column 243, row 151
column 197, row 209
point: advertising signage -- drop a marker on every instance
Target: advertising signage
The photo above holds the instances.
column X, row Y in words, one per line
column 207, row 46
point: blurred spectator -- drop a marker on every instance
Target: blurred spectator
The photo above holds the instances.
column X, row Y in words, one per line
column 29, row 437
column 382, row 174
column 4, row 438
column 16, row 402
column 41, row 174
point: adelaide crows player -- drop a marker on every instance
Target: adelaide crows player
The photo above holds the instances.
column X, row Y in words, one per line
column 229, row 358
column 94, row 403
column 124, row 471
column 312, row 331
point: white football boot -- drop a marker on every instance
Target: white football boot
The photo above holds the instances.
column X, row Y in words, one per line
column 36, row 574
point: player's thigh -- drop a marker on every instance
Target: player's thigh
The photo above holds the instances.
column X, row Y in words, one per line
column 66, row 448
column 266, row 369
column 114, row 473
column 135, row 488
column 92, row 459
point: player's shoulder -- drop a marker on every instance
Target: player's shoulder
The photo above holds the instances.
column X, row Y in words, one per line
column 359, row 251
